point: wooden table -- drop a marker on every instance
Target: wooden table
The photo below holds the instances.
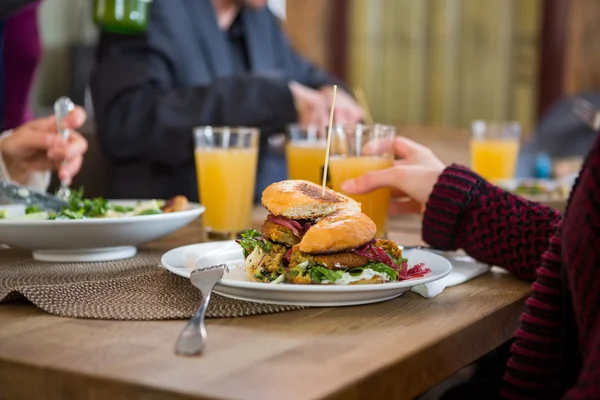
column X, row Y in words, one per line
column 392, row 350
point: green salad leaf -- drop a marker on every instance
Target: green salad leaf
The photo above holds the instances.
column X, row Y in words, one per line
column 78, row 208
column 319, row 274
column 383, row 269
column 252, row 239
column 121, row 209
column 32, row 210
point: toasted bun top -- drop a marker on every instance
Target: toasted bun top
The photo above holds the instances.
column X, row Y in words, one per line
column 337, row 233
column 296, row 199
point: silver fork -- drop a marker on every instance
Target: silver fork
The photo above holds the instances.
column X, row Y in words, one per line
column 62, row 108
column 192, row 338
column 588, row 113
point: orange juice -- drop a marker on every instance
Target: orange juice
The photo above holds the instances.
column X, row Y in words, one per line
column 306, row 160
column 376, row 203
column 226, row 179
column 495, row 158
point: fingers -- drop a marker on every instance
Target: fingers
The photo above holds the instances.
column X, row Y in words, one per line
column 75, row 119
column 374, row 180
column 70, row 168
column 405, row 207
column 68, row 157
column 77, row 145
column 407, row 148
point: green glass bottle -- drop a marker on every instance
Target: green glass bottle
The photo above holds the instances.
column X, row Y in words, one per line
column 122, row 16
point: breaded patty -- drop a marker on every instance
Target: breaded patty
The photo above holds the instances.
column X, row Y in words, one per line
column 279, row 234
column 331, row 261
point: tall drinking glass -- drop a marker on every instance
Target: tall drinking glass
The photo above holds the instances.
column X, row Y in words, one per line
column 356, row 150
column 226, row 160
column 305, row 152
column 495, row 149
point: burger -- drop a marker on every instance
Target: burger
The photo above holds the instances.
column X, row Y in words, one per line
column 316, row 237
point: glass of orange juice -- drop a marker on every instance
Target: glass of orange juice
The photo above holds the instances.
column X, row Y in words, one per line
column 305, row 152
column 356, row 150
column 495, row 149
column 226, row 160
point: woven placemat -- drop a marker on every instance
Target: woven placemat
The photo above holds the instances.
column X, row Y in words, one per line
column 131, row 289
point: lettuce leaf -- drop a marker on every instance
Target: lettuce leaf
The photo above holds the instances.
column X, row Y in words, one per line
column 252, row 239
column 319, row 274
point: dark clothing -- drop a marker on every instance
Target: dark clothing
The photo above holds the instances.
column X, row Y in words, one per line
column 7, row 7
column 150, row 91
column 556, row 352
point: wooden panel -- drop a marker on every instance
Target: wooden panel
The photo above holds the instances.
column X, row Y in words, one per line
column 307, row 27
column 526, row 63
column 446, row 61
column 582, row 70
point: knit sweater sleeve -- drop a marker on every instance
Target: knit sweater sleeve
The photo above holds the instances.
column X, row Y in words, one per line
column 490, row 224
column 536, row 368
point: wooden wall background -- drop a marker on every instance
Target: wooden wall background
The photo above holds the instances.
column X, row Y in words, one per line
column 446, row 62
column 582, row 64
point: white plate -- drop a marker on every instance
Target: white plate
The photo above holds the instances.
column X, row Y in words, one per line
column 183, row 260
column 94, row 239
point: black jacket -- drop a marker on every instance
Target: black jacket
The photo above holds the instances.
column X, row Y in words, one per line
column 149, row 92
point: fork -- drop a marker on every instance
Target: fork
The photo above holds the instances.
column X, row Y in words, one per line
column 587, row 112
column 192, row 338
column 62, row 107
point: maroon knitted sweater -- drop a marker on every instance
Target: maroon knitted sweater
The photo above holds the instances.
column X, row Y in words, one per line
column 556, row 353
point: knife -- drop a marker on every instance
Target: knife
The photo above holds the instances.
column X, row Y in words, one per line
column 11, row 193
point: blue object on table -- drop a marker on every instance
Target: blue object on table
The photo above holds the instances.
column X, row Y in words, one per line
column 543, row 166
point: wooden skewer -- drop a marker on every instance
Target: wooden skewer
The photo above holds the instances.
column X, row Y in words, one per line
column 362, row 100
column 329, row 140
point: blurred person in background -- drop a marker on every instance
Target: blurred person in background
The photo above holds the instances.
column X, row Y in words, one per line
column 30, row 150
column 202, row 62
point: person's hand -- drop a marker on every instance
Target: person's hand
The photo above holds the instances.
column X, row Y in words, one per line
column 412, row 178
column 36, row 146
column 347, row 110
column 311, row 105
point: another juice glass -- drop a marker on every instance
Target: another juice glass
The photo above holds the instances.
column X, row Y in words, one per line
column 495, row 149
column 356, row 150
column 226, row 160
column 305, row 152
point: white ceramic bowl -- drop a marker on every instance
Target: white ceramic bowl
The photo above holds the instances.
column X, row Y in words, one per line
column 94, row 239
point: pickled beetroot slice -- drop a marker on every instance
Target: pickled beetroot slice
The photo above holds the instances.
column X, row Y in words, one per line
column 374, row 253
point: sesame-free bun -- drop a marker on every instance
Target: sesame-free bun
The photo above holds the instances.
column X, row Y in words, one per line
column 297, row 199
column 338, row 232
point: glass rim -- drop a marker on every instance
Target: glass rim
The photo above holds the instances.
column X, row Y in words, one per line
column 239, row 130
column 296, row 125
column 495, row 123
column 482, row 129
column 363, row 126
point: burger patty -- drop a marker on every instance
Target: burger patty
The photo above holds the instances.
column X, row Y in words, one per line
column 279, row 234
column 331, row 261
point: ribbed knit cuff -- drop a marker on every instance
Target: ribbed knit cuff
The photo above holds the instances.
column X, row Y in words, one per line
column 445, row 209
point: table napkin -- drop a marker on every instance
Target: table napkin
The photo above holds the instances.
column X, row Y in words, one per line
column 464, row 268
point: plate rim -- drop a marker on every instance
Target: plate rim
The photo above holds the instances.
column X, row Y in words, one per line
column 310, row 288
column 195, row 209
